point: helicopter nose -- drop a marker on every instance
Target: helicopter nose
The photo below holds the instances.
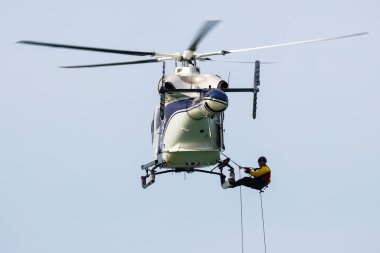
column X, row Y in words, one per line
column 215, row 100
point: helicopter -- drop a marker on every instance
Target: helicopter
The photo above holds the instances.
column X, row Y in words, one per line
column 187, row 127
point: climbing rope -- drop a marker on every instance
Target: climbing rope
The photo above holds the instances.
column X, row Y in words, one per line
column 241, row 208
column 262, row 218
column 241, row 217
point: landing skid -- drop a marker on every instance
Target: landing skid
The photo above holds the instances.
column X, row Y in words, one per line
column 150, row 169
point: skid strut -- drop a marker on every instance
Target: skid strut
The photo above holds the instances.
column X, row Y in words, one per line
column 150, row 169
column 150, row 176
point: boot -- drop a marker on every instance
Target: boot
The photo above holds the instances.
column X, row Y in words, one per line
column 229, row 183
column 226, row 185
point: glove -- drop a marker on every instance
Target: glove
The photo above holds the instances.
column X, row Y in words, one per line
column 247, row 170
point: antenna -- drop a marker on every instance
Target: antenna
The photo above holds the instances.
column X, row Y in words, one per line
column 163, row 70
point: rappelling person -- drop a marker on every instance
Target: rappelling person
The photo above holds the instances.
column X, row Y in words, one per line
column 258, row 179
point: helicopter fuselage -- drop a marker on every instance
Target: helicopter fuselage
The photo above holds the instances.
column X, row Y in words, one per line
column 191, row 133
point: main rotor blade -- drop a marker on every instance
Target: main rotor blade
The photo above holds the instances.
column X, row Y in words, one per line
column 112, row 64
column 298, row 42
column 224, row 52
column 232, row 61
column 103, row 50
column 206, row 28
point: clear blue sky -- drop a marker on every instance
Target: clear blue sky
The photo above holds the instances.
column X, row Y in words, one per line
column 72, row 141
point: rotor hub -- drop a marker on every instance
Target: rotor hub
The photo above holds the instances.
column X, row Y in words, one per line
column 188, row 55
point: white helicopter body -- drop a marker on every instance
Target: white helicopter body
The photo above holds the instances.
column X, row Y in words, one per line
column 191, row 133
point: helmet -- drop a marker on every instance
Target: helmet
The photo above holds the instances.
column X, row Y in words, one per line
column 262, row 159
